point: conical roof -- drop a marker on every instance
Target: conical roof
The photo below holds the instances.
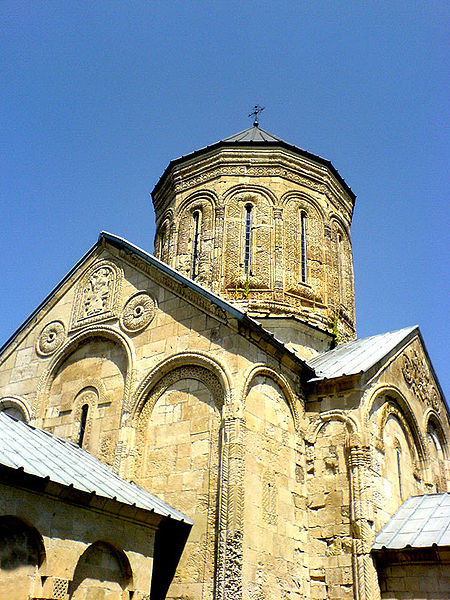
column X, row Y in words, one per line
column 253, row 134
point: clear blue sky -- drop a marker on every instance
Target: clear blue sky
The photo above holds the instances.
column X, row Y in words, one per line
column 98, row 97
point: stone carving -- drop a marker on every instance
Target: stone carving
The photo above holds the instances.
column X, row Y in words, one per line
column 97, row 295
column 51, row 338
column 417, row 376
column 138, row 312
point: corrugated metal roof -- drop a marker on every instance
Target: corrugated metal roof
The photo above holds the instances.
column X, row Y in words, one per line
column 357, row 356
column 419, row 523
column 44, row 455
column 253, row 134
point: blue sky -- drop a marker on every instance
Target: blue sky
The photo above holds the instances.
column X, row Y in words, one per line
column 98, row 97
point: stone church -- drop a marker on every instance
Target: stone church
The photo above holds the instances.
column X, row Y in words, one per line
column 224, row 376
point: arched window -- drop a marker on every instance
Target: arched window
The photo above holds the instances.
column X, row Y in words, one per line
column 303, row 241
column 340, row 258
column 15, row 407
column 83, row 421
column 398, row 453
column 248, row 239
column 195, row 244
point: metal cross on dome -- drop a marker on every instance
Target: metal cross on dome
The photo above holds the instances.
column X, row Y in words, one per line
column 255, row 113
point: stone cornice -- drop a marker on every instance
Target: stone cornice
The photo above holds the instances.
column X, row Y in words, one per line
column 252, row 162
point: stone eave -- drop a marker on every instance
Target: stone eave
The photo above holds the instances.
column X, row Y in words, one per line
column 320, row 385
column 255, row 147
column 44, row 485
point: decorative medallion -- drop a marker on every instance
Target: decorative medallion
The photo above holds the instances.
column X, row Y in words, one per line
column 97, row 295
column 51, row 338
column 138, row 312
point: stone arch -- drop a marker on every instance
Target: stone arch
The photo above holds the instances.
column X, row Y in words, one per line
column 431, row 417
column 71, row 346
column 331, row 415
column 281, row 381
column 105, row 568
column 395, row 399
column 22, row 553
column 198, row 196
column 272, row 483
column 304, row 257
column 341, row 290
column 163, row 237
column 334, row 218
column 243, row 188
column 17, row 407
column 220, row 383
column 195, row 219
column 303, row 197
column 248, row 256
column 177, row 420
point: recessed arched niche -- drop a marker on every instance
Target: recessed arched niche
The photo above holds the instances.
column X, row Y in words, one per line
column 85, row 394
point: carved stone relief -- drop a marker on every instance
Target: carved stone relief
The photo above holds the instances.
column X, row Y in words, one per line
column 97, row 295
column 51, row 338
column 417, row 376
column 138, row 312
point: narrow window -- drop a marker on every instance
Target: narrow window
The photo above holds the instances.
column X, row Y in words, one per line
column 340, row 265
column 304, row 248
column 399, row 471
column 162, row 243
column 83, row 419
column 248, row 238
column 195, row 243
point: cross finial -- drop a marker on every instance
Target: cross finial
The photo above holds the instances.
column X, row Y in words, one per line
column 255, row 112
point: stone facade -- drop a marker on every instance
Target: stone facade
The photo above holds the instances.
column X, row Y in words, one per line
column 63, row 550
column 287, row 478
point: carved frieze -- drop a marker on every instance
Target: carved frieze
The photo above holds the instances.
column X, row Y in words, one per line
column 417, row 376
column 138, row 312
column 97, row 296
column 51, row 338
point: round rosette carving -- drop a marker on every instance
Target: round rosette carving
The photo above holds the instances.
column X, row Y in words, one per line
column 138, row 312
column 51, row 338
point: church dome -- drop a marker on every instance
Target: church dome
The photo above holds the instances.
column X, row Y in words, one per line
column 264, row 224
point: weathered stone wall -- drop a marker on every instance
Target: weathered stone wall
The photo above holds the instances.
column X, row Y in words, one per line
column 407, row 576
column 63, row 550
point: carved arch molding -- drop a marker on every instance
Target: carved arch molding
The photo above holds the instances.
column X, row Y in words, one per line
column 185, row 372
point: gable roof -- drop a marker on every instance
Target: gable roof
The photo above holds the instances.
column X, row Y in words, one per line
column 42, row 454
column 249, row 138
column 358, row 356
column 120, row 243
column 419, row 523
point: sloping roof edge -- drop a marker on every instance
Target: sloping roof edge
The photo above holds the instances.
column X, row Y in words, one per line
column 39, row 453
column 420, row 522
column 409, row 333
column 235, row 312
column 122, row 243
column 227, row 142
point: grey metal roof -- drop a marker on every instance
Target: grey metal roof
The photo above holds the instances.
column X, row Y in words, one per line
column 357, row 356
column 419, row 523
column 253, row 134
column 44, row 455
